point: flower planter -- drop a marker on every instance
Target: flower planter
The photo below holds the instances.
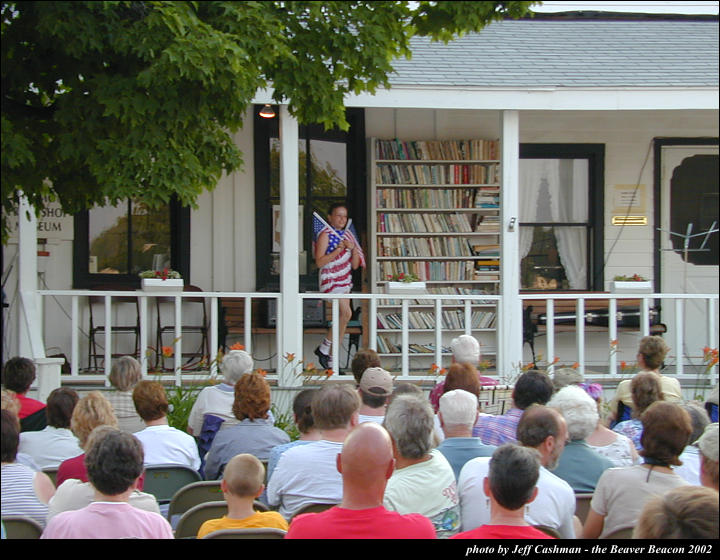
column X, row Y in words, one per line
column 160, row 285
column 412, row 288
column 618, row 287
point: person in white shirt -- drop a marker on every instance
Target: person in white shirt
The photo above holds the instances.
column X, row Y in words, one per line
column 376, row 386
column 162, row 444
column 308, row 473
column 545, row 430
column 53, row 444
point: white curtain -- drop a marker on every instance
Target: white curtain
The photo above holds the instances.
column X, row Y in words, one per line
column 533, row 173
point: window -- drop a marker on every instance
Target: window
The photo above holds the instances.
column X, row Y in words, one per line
column 561, row 210
column 331, row 169
column 114, row 243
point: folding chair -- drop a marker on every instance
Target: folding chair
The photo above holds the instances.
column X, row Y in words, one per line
column 163, row 481
column 582, row 506
column 548, row 531
column 118, row 304
column 21, row 527
column 193, row 494
column 259, row 533
column 190, row 304
column 52, row 473
column 624, row 533
column 313, row 508
column 191, row 521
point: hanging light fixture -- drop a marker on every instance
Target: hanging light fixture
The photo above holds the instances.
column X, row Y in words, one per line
column 267, row 112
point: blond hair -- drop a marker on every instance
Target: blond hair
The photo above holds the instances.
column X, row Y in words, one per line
column 91, row 411
column 244, row 475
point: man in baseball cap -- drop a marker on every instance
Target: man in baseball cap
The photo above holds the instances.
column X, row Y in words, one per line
column 708, row 444
column 376, row 386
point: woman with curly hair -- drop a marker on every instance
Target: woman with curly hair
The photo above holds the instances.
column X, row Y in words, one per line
column 254, row 434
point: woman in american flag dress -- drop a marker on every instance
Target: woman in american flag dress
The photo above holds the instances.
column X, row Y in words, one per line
column 337, row 254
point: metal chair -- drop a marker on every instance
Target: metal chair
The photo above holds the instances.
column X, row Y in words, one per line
column 52, row 473
column 548, row 531
column 117, row 303
column 582, row 506
column 624, row 533
column 21, row 527
column 191, row 521
column 312, row 508
column 259, row 533
column 163, row 481
column 193, row 494
column 189, row 304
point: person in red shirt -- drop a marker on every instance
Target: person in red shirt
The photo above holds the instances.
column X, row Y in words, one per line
column 366, row 463
column 510, row 484
column 18, row 375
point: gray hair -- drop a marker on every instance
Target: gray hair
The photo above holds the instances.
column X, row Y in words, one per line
column 579, row 410
column 125, row 373
column 698, row 418
column 235, row 364
column 410, row 422
column 458, row 408
column 513, row 472
column 465, row 349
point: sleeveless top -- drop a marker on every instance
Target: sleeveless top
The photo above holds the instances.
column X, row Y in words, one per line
column 619, row 451
column 18, row 493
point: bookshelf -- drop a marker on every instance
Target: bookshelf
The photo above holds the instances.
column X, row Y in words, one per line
column 435, row 213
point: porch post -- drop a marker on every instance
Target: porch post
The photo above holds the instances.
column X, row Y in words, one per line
column 510, row 332
column 29, row 332
column 290, row 317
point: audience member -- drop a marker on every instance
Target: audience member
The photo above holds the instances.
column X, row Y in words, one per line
column 302, row 413
column 91, row 411
column 73, row 494
column 255, row 434
column 510, row 485
column 621, row 493
column 616, row 447
column 690, row 457
column 243, row 482
column 423, row 481
column 545, row 430
column 363, row 359
column 562, row 377
column 124, row 375
column 162, row 444
column 580, row 465
column 532, row 387
column 376, row 386
column 218, row 400
column 460, row 376
column 366, row 463
column 711, row 404
column 457, row 414
column 406, row 388
column 708, row 445
column 18, row 375
column 9, row 402
column 651, row 353
column 53, row 444
column 114, row 465
column 24, row 491
column 465, row 350
column 307, row 474
column 646, row 390
column 687, row 512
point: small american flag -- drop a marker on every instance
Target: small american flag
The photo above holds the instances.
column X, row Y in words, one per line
column 335, row 236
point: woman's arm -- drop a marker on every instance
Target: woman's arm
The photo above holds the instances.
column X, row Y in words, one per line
column 321, row 259
column 593, row 525
column 44, row 488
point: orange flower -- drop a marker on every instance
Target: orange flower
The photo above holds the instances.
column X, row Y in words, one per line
column 328, row 372
column 434, row 368
column 289, row 357
column 443, row 371
column 575, row 365
column 167, row 351
column 614, row 343
column 237, row 346
column 261, row 372
column 556, row 360
column 310, row 367
column 623, row 365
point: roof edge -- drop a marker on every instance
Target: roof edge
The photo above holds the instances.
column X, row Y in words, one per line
column 616, row 16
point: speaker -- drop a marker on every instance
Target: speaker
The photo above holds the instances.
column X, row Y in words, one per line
column 313, row 313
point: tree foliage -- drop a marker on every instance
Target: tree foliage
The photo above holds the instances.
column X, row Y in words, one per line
column 108, row 100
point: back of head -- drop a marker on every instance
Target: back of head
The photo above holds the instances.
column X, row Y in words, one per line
column 61, row 403
column 458, row 408
column 243, row 475
column 465, row 349
column 653, row 350
column 334, row 405
column 532, row 387
column 91, row 411
column 562, row 377
column 698, row 418
column 708, row 445
column 513, row 472
column 18, row 374
column 687, row 512
column 366, row 455
column 10, row 436
column 376, row 386
column 645, row 389
column 150, row 400
column 303, row 411
column 462, row 376
column 536, row 424
column 363, row 359
column 125, row 373
column 666, row 429
column 114, row 461
column 235, row 364
column 10, row 402
column 252, row 397
column 578, row 409
column 406, row 388
column 410, row 422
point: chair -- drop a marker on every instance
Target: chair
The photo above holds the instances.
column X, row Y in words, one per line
column 582, row 506
column 624, row 533
column 259, row 533
column 192, row 494
column 191, row 521
column 189, row 305
column 118, row 303
column 52, row 473
column 312, row 508
column 163, row 481
column 21, row 527
column 548, row 531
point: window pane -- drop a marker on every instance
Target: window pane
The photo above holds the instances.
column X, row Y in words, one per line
column 556, row 258
column 108, row 230
column 554, row 190
column 151, row 238
column 329, row 169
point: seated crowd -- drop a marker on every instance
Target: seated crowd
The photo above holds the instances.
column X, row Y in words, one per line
column 374, row 458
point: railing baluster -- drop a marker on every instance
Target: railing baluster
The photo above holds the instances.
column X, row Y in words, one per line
column 214, row 342
column 335, row 335
column 178, row 340
column 438, row 333
column 679, row 325
column 247, row 322
column 645, row 317
column 580, row 329
column 372, row 322
column 74, row 338
column 405, row 338
column 612, row 335
column 550, row 331
column 108, row 339
column 144, row 335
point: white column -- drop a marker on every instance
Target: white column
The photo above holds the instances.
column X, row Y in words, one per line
column 290, row 316
column 30, row 341
column 510, row 326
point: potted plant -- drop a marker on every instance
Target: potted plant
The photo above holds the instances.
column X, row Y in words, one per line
column 634, row 284
column 165, row 280
column 405, row 283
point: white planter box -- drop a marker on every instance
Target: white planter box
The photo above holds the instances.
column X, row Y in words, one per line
column 160, row 285
column 411, row 288
column 617, row 287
